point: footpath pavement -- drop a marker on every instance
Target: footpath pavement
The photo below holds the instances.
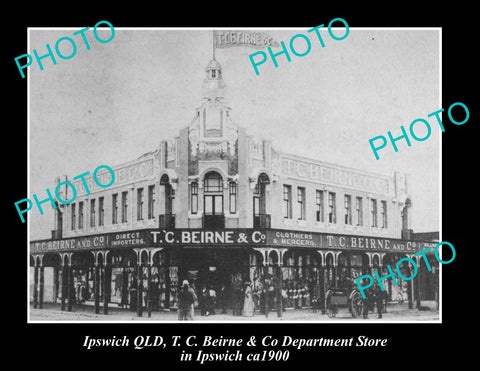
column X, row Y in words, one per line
column 52, row 313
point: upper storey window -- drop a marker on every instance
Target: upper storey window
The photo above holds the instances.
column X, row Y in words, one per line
column 213, row 182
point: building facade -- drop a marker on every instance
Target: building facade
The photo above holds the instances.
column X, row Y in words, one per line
column 220, row 208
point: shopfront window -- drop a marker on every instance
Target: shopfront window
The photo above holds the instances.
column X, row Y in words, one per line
column 164, row 280
column 256, row 279
column 343, row 273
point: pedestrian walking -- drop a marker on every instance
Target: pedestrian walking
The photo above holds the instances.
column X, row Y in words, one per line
column 237, row 299
column 269, row 297
column 186, row 300
column 379, row 297
column 202, row 300
column 284, row 299
column 248, row 306
column 210, row 298
column 367, row 302
column 222, row 299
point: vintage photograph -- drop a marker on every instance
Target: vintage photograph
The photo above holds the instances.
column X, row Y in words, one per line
column 188, row 187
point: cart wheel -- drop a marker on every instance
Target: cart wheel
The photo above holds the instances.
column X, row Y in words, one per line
column 356, row 304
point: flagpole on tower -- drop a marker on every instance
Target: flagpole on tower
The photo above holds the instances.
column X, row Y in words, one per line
column 214, row 42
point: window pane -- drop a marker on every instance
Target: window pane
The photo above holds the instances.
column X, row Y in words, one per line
column 331, row 208
column 80, row 215
column 124, row 207
column 100, row 212
column 114, row 209
column 301, row 203
column 384, row 214
column 256, row 206
column 359, row 211
column 287, row 201
column 194, row 198
column 213, row 183
column 218, row 204
column 92, row 213
column 208, row 204
column 348, row 209
column 140, row 204
column 374, row 212
column 151, row 201
column 233, row 197
column 74, row 216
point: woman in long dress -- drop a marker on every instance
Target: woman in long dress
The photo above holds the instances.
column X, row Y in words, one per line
column 248, row 306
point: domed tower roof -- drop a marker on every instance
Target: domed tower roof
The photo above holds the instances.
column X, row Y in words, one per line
column 213, row 64
column 213, row 84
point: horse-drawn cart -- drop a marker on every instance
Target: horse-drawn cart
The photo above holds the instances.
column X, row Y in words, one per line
column 336, row 298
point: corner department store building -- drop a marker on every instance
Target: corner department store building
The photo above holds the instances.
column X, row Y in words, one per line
column 219, row 207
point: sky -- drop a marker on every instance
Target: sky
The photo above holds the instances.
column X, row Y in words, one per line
column 118, row 100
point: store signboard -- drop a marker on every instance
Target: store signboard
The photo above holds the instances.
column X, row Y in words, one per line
column 69, row 244
column 296, row 239
column 129, row 239
column 205, row 238
column 230, row 238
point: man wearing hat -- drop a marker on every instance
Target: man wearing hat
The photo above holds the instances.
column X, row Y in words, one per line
column 186, row 300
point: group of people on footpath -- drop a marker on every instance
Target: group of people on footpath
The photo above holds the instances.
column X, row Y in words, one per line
column 243, row 300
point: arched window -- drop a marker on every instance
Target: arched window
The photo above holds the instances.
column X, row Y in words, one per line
column 213, row 182
column 167, row 220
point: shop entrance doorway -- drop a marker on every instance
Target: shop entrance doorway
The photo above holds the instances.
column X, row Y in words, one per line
column 220, row 269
